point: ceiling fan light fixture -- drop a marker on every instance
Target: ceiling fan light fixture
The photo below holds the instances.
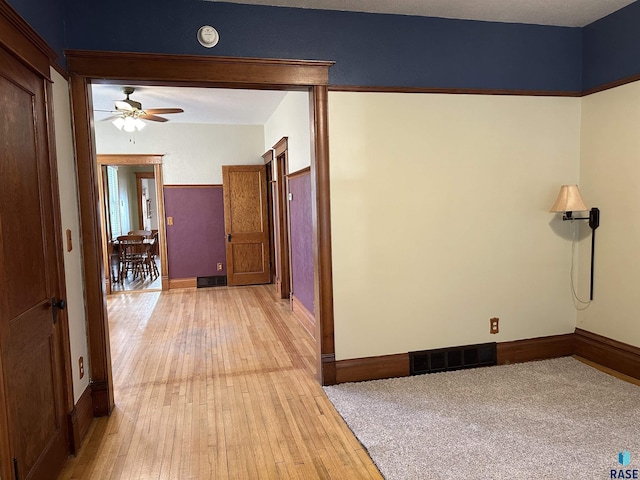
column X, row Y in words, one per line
column 119, row 123
column 129, row 124
column 130, row 115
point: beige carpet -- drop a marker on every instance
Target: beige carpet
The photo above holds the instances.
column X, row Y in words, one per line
column 554, row 419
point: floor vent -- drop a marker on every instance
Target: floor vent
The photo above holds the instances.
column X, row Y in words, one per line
column 452, row 358
column 214, row 281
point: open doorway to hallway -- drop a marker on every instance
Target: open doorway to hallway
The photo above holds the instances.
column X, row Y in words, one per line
column 194, row 148
column 307, row 76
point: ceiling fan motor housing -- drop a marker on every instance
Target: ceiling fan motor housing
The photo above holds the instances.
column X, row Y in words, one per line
column 128, row 91
column 128, row 108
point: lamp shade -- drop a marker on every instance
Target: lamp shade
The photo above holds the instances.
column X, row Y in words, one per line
column 569, row 200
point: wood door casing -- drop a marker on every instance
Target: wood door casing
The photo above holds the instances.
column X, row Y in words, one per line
column 273, row 273
column 95, row 66
column 283, row 233
column 33, row 376
column 246, row 224
column 277, row 160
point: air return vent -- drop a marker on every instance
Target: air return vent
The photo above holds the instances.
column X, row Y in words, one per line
column 213, row 281
column 452, row 358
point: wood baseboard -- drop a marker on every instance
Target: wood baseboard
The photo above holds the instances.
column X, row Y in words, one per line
column 372, row 368
column 305, row 317
column 182, row 283
column 542, row 348
column 618, row 356
column 100, row 401
column 388, row 366
column 79, row 420
column 326, row 373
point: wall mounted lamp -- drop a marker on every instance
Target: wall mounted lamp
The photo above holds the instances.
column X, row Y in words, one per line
column 569, row 201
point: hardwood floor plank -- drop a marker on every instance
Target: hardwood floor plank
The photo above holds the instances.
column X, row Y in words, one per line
column 215, row 383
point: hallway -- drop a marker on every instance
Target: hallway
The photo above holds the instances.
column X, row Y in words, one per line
column 215, row 383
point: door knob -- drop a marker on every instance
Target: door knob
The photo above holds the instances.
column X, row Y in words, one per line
column 60, row 304
column 57, row 305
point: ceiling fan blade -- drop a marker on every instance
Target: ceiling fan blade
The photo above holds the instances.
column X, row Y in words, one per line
column 163, row 111
column 153, row 118
column 122, row 105
column 105, row 111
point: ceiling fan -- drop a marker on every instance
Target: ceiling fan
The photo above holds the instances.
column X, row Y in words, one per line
column 129, row 113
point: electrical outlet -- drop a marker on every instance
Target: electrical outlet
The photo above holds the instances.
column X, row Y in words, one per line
column 81, row 365
column 219, row 267
column 494, row 327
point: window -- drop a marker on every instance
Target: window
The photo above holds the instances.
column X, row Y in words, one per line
column 114, row 201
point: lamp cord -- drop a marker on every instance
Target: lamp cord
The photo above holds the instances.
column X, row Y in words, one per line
column 578, row 303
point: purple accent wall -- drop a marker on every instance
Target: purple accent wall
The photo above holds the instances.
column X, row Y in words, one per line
column 301, row 239
column 196, row 240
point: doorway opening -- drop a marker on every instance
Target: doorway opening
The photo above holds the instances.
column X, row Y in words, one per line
column 311, row 76
column 131, row 199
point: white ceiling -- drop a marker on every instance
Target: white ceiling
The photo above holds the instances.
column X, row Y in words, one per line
column 569, row 13
column 200, row 105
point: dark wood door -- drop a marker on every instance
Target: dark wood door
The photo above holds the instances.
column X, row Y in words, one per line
column 31, row 373
column 247, row 224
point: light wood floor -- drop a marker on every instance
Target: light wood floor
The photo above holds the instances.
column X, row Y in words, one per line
column 215, row 383
column 139, row 283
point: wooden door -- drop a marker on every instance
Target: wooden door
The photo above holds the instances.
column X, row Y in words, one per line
column 246, row 223
column 32, row 382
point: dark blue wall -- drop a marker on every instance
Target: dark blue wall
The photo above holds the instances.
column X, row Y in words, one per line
column 369, row 49
column 612, row 47
column 47, row 18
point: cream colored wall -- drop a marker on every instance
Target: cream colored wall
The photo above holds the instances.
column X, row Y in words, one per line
column 193, row 153
column 69, row 215
column 610, row 180
column 291, row 119
column 440, row 219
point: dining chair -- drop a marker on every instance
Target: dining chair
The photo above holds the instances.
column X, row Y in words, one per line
column 132, row 255
column 144, row 233
column 114, row 261
column 151, row 255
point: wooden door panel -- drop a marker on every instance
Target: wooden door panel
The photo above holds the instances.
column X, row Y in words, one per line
column 33, row 378
column 248, row 258
column 246, row 214
column 247, row 224
column 20, row 182
column 33, row 401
